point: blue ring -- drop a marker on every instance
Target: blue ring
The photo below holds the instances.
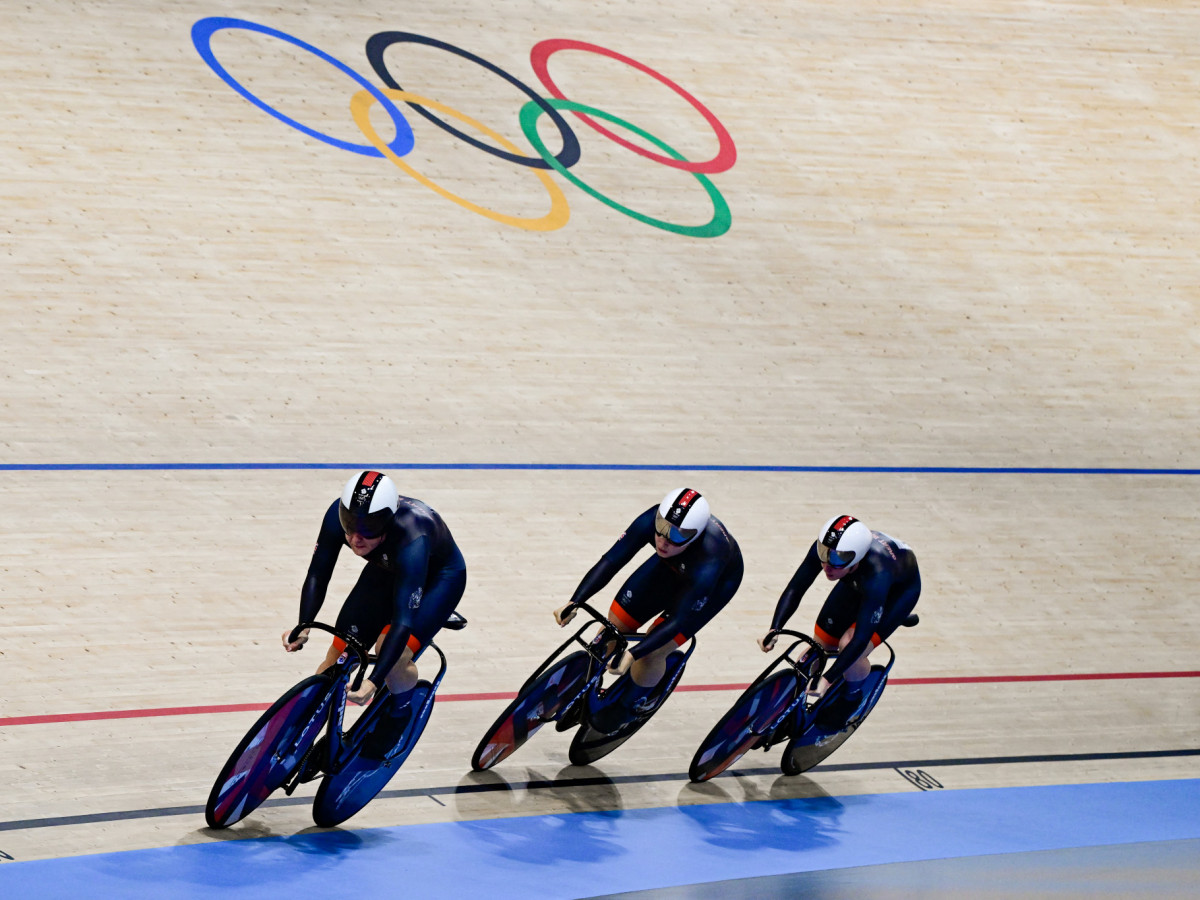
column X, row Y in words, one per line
column 202, row 33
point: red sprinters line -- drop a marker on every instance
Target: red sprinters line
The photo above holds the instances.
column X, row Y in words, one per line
column 450, row 698
column 1090, row 676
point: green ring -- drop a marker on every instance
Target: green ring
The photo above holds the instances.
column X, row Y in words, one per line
column 715, row 227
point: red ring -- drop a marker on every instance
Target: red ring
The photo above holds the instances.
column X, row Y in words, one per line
column 726, row 152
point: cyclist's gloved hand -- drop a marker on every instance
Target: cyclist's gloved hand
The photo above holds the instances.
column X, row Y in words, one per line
column 298, row 644
column 364, row 693
column 620, row 664
column 767, row 642
column 565, row 614
column 819, row 691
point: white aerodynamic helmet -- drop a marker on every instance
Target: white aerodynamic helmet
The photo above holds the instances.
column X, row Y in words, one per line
column 682, row 516
column 843, row 541
column 368, row 505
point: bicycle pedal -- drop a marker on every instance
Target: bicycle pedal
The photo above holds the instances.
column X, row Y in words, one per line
column 311, row 768
column 777, row 735
column 571, row 716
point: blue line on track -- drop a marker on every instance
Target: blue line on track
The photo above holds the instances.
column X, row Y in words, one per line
column 588, row 853
column 584, row 467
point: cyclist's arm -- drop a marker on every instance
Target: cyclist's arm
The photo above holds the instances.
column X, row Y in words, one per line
column 789, row 600
column 413, row 563
column 639, row 533
column 320, row 568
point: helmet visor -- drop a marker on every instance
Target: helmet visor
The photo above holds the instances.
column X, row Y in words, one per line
column 671, row 533
column 832, row 558
column 369, row 526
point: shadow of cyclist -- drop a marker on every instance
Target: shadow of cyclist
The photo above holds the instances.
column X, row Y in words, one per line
column 794, row 814
column 530, row 830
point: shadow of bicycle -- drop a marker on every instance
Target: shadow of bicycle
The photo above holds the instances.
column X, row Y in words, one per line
column 793, row 814
column 551, row 829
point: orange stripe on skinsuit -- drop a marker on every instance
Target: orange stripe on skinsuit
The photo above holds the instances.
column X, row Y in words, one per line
column 679, row 639
column 824, row 636
column 339, row 645
column 617, row 612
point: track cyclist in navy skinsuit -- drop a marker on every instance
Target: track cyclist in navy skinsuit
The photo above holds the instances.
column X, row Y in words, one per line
column 878, row 585
column 413, row 580
column 695, row 570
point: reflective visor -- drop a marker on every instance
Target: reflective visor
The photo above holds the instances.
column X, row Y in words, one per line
column 833, row 558
column 674, row 535
column 369, row 526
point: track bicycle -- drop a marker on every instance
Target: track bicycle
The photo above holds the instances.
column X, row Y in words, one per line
column 569, row 691
column 776, row 707
column 282, row 748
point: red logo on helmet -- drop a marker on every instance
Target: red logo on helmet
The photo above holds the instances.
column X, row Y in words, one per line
column 686, row 500
column 370, row 478
column 843, row 523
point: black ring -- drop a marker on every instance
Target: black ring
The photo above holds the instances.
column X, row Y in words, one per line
column 567, row 157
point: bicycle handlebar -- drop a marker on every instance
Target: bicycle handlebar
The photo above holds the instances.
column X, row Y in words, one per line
column 352, row 644
column 823, row 655
column 605, row 624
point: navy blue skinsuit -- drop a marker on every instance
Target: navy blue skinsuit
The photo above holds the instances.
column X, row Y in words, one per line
column 412, row 581
column 689, row 588
column 876, row 597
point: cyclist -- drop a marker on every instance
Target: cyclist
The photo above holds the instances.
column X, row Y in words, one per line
column 878, row 585
column 694, row 572
column 413, row 579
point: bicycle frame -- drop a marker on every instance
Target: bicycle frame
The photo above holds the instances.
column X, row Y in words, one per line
column 622, row 638
column 354, row 661
column 338, row 750
column 811, row 676
column 807, row 674
column 591, row 647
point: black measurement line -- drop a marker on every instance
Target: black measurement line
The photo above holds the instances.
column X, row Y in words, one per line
column 602, row 780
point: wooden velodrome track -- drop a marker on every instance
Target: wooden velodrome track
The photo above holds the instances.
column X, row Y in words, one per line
column 960, row 261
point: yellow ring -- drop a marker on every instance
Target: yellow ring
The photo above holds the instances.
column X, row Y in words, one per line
column 360, row 108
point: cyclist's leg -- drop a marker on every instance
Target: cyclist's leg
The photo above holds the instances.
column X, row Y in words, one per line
column 640, row 597
column 648, row 671
column 686, row 623
column 365, row 614
column 834, row 628
column 901, row 601
column 419, row 625
column 331, row 656
column 439, row 599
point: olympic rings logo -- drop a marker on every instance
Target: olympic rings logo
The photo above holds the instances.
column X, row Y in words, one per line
column 537, row 106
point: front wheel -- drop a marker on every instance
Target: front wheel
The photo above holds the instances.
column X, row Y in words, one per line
column 270, row 752
column 543, row 701
column 748, row 722
column 377, row 757
column 815, row 741
column 591, row 743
